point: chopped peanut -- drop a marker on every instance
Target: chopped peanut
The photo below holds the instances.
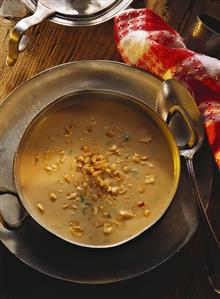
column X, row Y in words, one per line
column 65, row 206
column 113, row 167
column 110, row 133
column 126, row 214
column 141, row 189
column 146, row 213
column 125, row 169
column 40, row 207
column 52, row 138
column 150, row 164
column 77, row 230
column 136, row 158
column 114, row 190
column 85, row 148
column 107, row 229
column 141, row 204
column 48, row 168
column 106, row 215
column 122, row 191
column 146, row 139
column 95, row 210
column 149, row 179
column 67, row 178
column 144, row 158
column 72, row 195
column 52, row 196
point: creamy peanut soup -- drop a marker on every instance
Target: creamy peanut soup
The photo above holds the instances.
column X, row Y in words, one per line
column 97, row 172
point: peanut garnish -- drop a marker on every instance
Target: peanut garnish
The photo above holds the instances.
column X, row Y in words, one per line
column 98, row 224
column 122, row 191
column 125, row 169
column 65, row 206
column 86, row 132
column 52, row 196
column 141, row 204
column 72, row 195
column 114, row 150
column 144, row 158
column 94, row 197
column 146, row 213
column 136, row 158
column 48, row 168
column 150, row 164
column 113, row 190
column 110, row 133
column 96, row 173
column 113, row 167
column 108, row 170
column 51, row 137
column 126, row 214
column 40, row 207
column 85, row 148
column 141, row 189
column 146, row 139
column 95, row 210
column 67, row 178
column 68, row 132
column 63, row 158
column 149, row 179
column 119, row 174
column 37, row 159
column 107, row 229
column 76, row 230
column 106, row 215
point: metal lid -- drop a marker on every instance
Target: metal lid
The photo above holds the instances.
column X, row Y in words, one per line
column 80, row 13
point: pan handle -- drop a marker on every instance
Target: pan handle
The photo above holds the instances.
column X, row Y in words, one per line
column 12, row 213
column 17, row 40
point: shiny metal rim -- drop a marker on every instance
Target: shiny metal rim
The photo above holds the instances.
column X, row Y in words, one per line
column 76, row 22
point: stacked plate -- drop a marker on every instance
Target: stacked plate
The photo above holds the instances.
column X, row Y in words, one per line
column 51, row 255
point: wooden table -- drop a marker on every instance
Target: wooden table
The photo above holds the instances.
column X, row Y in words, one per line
column 184, row 276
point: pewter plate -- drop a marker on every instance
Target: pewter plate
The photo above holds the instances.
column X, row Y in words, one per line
column 81, row 13
column 41, row 250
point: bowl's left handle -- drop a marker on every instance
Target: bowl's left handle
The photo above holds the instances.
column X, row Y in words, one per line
column 12, row 213
column 18, row 41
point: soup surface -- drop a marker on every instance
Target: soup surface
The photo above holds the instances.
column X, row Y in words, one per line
column 96, row 172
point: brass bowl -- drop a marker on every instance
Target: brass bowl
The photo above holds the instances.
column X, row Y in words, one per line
column 94, row 95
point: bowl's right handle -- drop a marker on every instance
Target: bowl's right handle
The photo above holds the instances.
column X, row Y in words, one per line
column 12, row 213
column 18, row 40
column 192, row 141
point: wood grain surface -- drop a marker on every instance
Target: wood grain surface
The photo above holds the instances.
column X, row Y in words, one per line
column 184, row 276
column 52, row 44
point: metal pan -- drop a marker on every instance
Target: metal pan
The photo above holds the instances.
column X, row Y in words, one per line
column 26, row 175
column 172, row 232
column 64, row 12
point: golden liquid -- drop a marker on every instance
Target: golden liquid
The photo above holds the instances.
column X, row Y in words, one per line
column 87, row 123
